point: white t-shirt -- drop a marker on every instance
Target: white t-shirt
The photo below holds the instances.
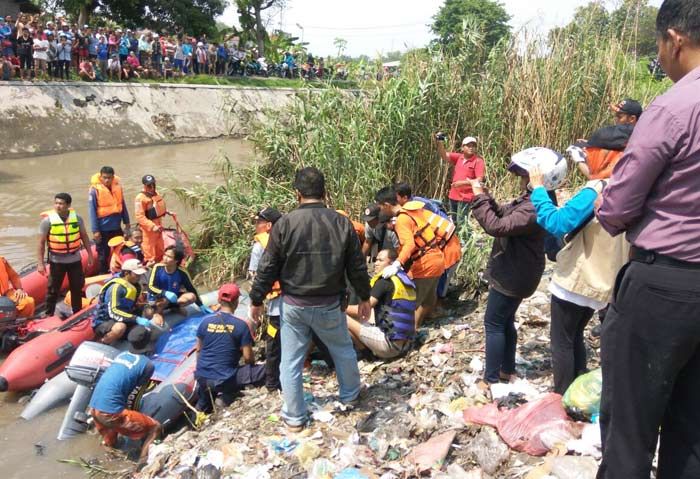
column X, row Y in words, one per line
column 42, row 46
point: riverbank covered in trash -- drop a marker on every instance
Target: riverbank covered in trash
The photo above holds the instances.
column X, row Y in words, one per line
column 410, row 423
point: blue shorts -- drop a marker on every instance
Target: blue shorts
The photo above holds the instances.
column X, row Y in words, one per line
column 178, row 64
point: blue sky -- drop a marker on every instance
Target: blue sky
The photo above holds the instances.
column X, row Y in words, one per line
column 376, row 26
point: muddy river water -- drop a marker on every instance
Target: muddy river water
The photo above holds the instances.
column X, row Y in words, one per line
column 27, row 186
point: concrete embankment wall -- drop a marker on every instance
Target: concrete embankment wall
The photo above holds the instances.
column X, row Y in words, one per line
column 46, row 118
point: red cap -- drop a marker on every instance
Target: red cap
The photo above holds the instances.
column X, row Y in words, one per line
column 229, row 292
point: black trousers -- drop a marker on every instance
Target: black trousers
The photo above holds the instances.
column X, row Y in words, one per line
column 76, row 281
column 103, row 250
column 650, row 355
column 566, row 338
column 273, row 355
column 248, row 375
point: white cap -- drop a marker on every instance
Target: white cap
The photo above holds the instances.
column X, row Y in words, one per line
column 468, row 139
column 200, row 44
column 134, row 266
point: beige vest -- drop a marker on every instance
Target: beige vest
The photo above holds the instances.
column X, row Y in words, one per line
column 589, row 264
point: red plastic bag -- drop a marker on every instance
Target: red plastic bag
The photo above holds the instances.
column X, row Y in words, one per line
column 533, row 428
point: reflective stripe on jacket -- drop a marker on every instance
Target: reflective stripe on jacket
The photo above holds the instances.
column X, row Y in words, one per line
column 433, row 231
column 117, row 301
column 64, row 236
column 263, row 238
column 397, row 319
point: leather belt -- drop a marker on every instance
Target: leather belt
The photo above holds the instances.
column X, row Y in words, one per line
column 652, row 257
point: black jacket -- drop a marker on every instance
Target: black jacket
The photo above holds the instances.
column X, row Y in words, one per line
column 310, row 252
column 517, row 259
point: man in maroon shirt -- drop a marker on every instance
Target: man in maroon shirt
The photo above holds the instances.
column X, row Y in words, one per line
column 467, row 166
column 650, row 344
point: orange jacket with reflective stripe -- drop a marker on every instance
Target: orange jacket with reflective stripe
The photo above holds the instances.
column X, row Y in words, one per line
column 418, row 242
column 109, row 201
column 263, row 238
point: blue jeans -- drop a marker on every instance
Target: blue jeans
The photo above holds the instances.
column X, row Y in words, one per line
column 459, row 212
column 501, row 335
column 329, row 323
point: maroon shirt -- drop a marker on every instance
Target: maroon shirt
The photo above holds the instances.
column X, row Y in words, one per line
column 654, row 191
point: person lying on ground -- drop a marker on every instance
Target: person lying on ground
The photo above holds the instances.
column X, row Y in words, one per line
column 118, row 309
column 170, row 285
column 393, row 300
column 107, row 407
column 222, row 339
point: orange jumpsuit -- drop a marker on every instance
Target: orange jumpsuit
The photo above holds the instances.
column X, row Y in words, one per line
column 150, row 209
column 10, row 282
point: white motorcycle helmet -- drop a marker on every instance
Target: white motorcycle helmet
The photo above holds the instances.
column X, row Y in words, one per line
column 552, row 165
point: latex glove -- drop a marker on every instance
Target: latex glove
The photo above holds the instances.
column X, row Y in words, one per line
column 170, row 296
column 577, row 154
column 141, row 321
column 391, row 270
column 206, row 309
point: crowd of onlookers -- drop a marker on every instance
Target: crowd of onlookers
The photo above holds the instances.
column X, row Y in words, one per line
column 31, row 49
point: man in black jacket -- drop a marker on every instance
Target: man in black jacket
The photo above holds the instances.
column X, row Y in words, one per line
column 310, row 252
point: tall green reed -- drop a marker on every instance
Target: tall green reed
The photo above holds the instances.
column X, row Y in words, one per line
column 517, row 95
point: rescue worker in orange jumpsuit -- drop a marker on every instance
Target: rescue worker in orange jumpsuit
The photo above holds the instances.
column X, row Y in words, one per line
column 107, row 210
column 150, row 209
column 420, row 234
column 11, row 286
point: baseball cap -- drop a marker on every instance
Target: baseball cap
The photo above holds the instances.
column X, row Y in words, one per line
column 629, row 106
column 140, row 340
column 229, row 292
column 134, row 266
column 468, row 139
column 613, row 137
column 148, row 180
column 268, row 214
column 371, row 212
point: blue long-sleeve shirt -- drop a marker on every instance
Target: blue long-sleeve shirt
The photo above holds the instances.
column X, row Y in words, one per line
column 108, row 223
column 563, row 220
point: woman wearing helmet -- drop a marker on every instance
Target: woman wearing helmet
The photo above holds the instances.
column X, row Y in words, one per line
column 517, row 258
column 585, row 272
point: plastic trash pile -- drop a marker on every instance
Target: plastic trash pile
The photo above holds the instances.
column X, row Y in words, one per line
column 423, row 416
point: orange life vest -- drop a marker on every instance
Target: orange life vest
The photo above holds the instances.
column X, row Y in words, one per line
column 64, row 236
column 356, row 225
column 153, row 205
column 263, row 239
column 433, row 231
column 109, row 201
column 601, row 162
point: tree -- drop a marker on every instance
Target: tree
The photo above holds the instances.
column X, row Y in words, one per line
column 635, row 22
column 341, row 44
column 192, row 16
column 490, row 15
column 250, row 14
